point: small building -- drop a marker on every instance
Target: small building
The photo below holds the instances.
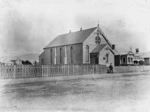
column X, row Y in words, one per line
column 89, row 46
column 124, row 58
column 138, row 59
column 146, row 57
column 17, row 61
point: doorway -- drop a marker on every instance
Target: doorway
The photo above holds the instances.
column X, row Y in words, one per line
column 94, row 58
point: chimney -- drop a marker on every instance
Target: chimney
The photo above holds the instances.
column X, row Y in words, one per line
column 113, row 46
column 69, row 31
column 137, row 50
column 81, row 29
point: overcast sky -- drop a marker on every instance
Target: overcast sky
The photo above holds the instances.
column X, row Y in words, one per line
column 26, row 26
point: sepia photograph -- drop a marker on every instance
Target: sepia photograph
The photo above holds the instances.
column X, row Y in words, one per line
column 74, row 55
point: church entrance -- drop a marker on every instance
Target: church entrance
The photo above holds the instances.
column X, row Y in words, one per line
column 94, row 58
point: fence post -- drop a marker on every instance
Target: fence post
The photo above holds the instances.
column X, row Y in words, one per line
column 1, row 71
column 42, row 71
column 14, row 71
column 73, row 70
column 68, row 69
column 25, row 71
column 22, row 71
column 93, row 69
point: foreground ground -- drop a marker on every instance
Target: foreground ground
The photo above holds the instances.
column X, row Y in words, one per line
column 125, row 93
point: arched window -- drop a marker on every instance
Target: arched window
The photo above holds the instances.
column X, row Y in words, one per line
column 51, row 56
column 42, row 61
column 123, row 60
column 128, row 59
column 60, row 55
column 107, row 58
column 71, row 54
column 87, row 53
column 131, row 60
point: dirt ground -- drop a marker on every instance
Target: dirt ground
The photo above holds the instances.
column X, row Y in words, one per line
column 125, row 93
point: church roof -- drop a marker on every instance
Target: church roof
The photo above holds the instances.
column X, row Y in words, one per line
column 71, row 38
column 98, row 48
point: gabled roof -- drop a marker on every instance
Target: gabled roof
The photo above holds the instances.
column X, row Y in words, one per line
column 144, row 54
column 126, row 53
column 98, row 48
column 71, row 38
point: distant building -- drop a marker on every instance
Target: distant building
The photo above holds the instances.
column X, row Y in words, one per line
column 17, row 61
column 131, row 58
column 124, row 58
column 89, row 46
column 138, row 59
column 146, row 57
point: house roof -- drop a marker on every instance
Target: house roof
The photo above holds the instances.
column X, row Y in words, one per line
column 98, row 48
column 126, row 53
column 71, row 38
column 144, row 54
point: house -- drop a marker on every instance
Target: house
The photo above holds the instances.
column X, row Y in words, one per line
column 89, row 46
column 146, row 57
column 124, row 58
column 17, row 61
column 138, row 59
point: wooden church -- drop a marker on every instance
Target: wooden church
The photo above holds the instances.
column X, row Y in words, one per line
column 89, row 46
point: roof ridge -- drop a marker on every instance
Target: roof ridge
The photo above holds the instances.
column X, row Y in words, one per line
column 77, row 31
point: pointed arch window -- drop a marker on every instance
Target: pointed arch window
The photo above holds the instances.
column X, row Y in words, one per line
column 87, row 53
column 51, row 56
column 42, row 61
column 60, row 55
column 71, row 54
column 107, row 58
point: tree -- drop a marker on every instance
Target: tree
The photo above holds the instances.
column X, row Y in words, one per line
column 27, row 62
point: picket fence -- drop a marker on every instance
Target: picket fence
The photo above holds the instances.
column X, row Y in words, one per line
column 124, row 69
column 30, row 71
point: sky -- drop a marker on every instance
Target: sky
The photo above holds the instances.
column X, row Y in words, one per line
column 27, row 26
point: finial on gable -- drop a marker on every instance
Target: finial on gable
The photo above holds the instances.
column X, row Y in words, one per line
column 98, row 24
column 81, row 29
column 130, row 48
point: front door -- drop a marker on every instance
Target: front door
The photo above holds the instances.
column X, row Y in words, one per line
column 94, row 58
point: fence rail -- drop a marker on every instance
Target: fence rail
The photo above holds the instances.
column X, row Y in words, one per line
column 30, row 71
column 22, row 71
column 123, row 69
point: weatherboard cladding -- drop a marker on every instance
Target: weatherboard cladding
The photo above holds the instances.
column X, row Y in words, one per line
column 71, row 38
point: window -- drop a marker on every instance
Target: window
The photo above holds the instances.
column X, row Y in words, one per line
column 71, row 54
column 131, row 60
column 60, row 55
column 107, row 58
column 128, row 59
column 124, row 60
column 42, row 61
column 97, row 39
column 87, row 53
column 51, row 56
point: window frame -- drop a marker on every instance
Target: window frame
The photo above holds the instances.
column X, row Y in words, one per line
column 51, row 55
column 71, row 54
column 60, row 55
column 87, row 53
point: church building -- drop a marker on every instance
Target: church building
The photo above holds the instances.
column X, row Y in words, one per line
column 89, row 46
